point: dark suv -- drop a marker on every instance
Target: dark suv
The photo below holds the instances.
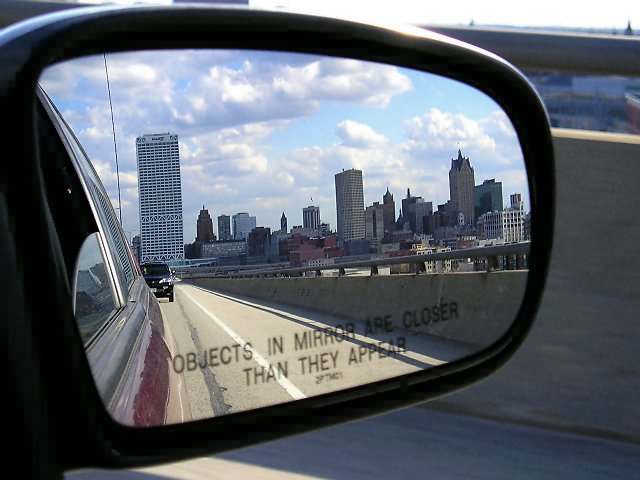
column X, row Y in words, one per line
column 159, row 278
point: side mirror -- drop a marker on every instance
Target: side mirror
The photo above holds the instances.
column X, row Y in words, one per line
column 372, row 303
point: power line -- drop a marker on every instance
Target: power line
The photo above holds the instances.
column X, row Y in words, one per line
column 113, row 129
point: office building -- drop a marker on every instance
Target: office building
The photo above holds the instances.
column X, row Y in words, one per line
column 324, row 230
column 421, row 210
column 461, row 188
column 259, row 241
column 300, row 230
column 303, row 250
column 283, row 223
column 487, row 197
column 433, row 266
column 374, row 225
column 311, row 218
column 414, row 209
column 224, row 249
column 278, row 245
column 204, row 227
column 507, row 225
column 224, row 227
column 160, row 197
column 349, row 205
column 242, row 225
column 408, row 210
column 388, row 212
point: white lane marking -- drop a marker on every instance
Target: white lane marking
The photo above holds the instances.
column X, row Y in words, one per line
column 283, row 381
column 174, row 348
column 419, row 356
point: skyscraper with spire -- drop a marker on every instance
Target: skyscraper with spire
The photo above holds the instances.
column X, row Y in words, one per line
column 204, row 227
column 409, row 210
column 388, row 212
column 461, row 188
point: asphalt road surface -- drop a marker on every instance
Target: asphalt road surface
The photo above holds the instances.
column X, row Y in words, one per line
column 235, row 354
column 415, row 443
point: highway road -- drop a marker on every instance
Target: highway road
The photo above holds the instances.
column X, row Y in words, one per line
column 415, row 443
column 236, row 353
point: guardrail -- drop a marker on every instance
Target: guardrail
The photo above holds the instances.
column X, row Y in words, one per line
column 492, row 253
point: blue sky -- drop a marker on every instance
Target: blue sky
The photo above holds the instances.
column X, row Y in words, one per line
column 265, row 133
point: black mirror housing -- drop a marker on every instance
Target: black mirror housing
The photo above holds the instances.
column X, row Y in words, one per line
column 96, row 440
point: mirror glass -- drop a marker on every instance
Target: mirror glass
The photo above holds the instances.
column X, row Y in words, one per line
column 330, row 223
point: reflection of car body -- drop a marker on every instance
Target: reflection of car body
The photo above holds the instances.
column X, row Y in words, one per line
column 120, row 322
column 159, row 278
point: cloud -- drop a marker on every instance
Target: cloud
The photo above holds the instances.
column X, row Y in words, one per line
column 437, row 130
column 358, row 135
column 489, row 142
column 265, row 133
column 343, row 80
column 136, row 75
column 189, row 90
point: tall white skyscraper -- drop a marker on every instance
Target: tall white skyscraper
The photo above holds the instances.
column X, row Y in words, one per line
column 350, row 205
column 160, row 197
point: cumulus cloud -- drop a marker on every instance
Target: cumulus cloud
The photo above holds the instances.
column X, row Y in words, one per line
column 242, row 147
column 436, row 130
column 359, row 135
column 343, row 79
column 489, row 142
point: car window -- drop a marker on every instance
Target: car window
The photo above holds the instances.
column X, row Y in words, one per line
column 121, row 257
column 155, row 270
column 94, row 301
column 113, row 230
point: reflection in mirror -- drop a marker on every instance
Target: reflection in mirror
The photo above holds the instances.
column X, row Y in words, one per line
column 93, row 294
column 331, row 222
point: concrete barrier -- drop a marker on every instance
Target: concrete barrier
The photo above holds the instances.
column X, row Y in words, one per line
column 472, row 308
column 578, row 369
